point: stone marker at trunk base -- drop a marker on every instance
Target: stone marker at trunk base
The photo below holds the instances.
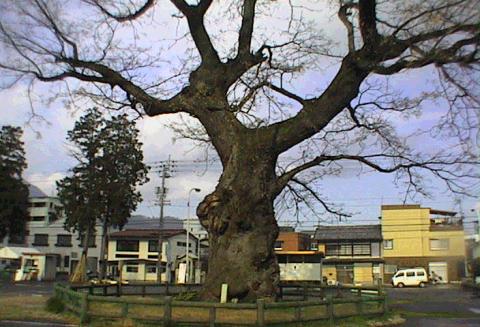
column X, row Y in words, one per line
column 223, row 296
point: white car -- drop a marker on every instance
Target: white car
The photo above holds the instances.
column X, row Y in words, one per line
column 410, row 277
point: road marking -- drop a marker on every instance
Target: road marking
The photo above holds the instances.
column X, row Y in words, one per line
column 474, row 310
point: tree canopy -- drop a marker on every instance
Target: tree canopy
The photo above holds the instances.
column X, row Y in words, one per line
column 13, row 190
column 267, row 81
column 102, row 186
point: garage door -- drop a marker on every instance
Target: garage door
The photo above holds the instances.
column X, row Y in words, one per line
column 440, row 269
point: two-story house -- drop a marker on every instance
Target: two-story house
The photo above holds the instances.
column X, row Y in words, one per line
column 133, row 255
column 423, row 237
column 352, row 253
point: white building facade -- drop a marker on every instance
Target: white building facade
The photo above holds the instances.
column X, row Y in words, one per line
column 133, row 255
column 45, row 232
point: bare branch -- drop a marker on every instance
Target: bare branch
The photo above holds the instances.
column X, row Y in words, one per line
column 195, row 15
column 343, row 14
column 120, row 16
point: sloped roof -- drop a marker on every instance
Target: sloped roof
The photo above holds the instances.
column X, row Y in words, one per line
column 146, row 233
column 348, row 232
column 35, row 192
column 15, row 252
column 144, row 222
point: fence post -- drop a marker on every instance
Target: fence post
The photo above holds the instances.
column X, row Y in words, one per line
column 84, row 308
column 143, row 290
column 384, row 303
column 305, row 295
column 330, row 310
column 359, row 301
column 260, row 312
column 167, row 311
column 125, row 310
column 211, row 317
column 298, row 313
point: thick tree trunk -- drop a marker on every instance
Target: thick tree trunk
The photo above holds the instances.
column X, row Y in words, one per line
column 240, row 219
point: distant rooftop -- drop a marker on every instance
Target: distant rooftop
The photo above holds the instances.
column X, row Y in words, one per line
column 417, row 206
column 348, row 232
column 146, row 233
column 144, row 222
column 35, row 192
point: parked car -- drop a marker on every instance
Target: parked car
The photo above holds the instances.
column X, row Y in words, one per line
column 410, row 277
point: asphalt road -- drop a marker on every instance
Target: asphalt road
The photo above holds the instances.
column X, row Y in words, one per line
column 26, row 288
column 439, row 305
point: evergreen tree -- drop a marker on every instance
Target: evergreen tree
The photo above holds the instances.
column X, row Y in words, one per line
column 102, row 187
column 13, row 191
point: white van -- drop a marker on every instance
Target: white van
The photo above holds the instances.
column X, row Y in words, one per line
column 410, row 277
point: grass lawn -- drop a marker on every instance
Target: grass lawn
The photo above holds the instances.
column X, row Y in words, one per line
column 32, row 308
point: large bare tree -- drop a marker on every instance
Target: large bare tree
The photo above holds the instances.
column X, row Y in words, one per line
column 267, row 80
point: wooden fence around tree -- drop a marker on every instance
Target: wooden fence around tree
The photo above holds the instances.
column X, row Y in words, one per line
column 322, row 303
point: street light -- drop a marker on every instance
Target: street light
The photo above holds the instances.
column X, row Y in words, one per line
column 187, row 255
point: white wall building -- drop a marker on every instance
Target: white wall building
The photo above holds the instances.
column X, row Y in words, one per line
column 46, row 233
column 135, row 252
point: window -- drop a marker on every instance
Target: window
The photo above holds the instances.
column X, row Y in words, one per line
column 278, row 245
column 38, row 218
column 132, row 268
column 410, row 274
column 66, row 261
column 151, row 269
column 420, row 273
column 184, row 244
column 64, row 240
column 91, row 241
column 314, row 246
column 40, row 239
column 335, row 249
column 388, row 244
column 361, row 249
column 439, row 244
column 153, row 246
column 39, row 204
column 127, row 245
column 400, row 274
column 129, row 256
column 30, row 263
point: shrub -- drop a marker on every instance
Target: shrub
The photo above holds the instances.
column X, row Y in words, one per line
column 55, row 305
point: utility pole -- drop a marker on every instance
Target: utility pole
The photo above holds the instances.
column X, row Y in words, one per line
column 166, row 169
